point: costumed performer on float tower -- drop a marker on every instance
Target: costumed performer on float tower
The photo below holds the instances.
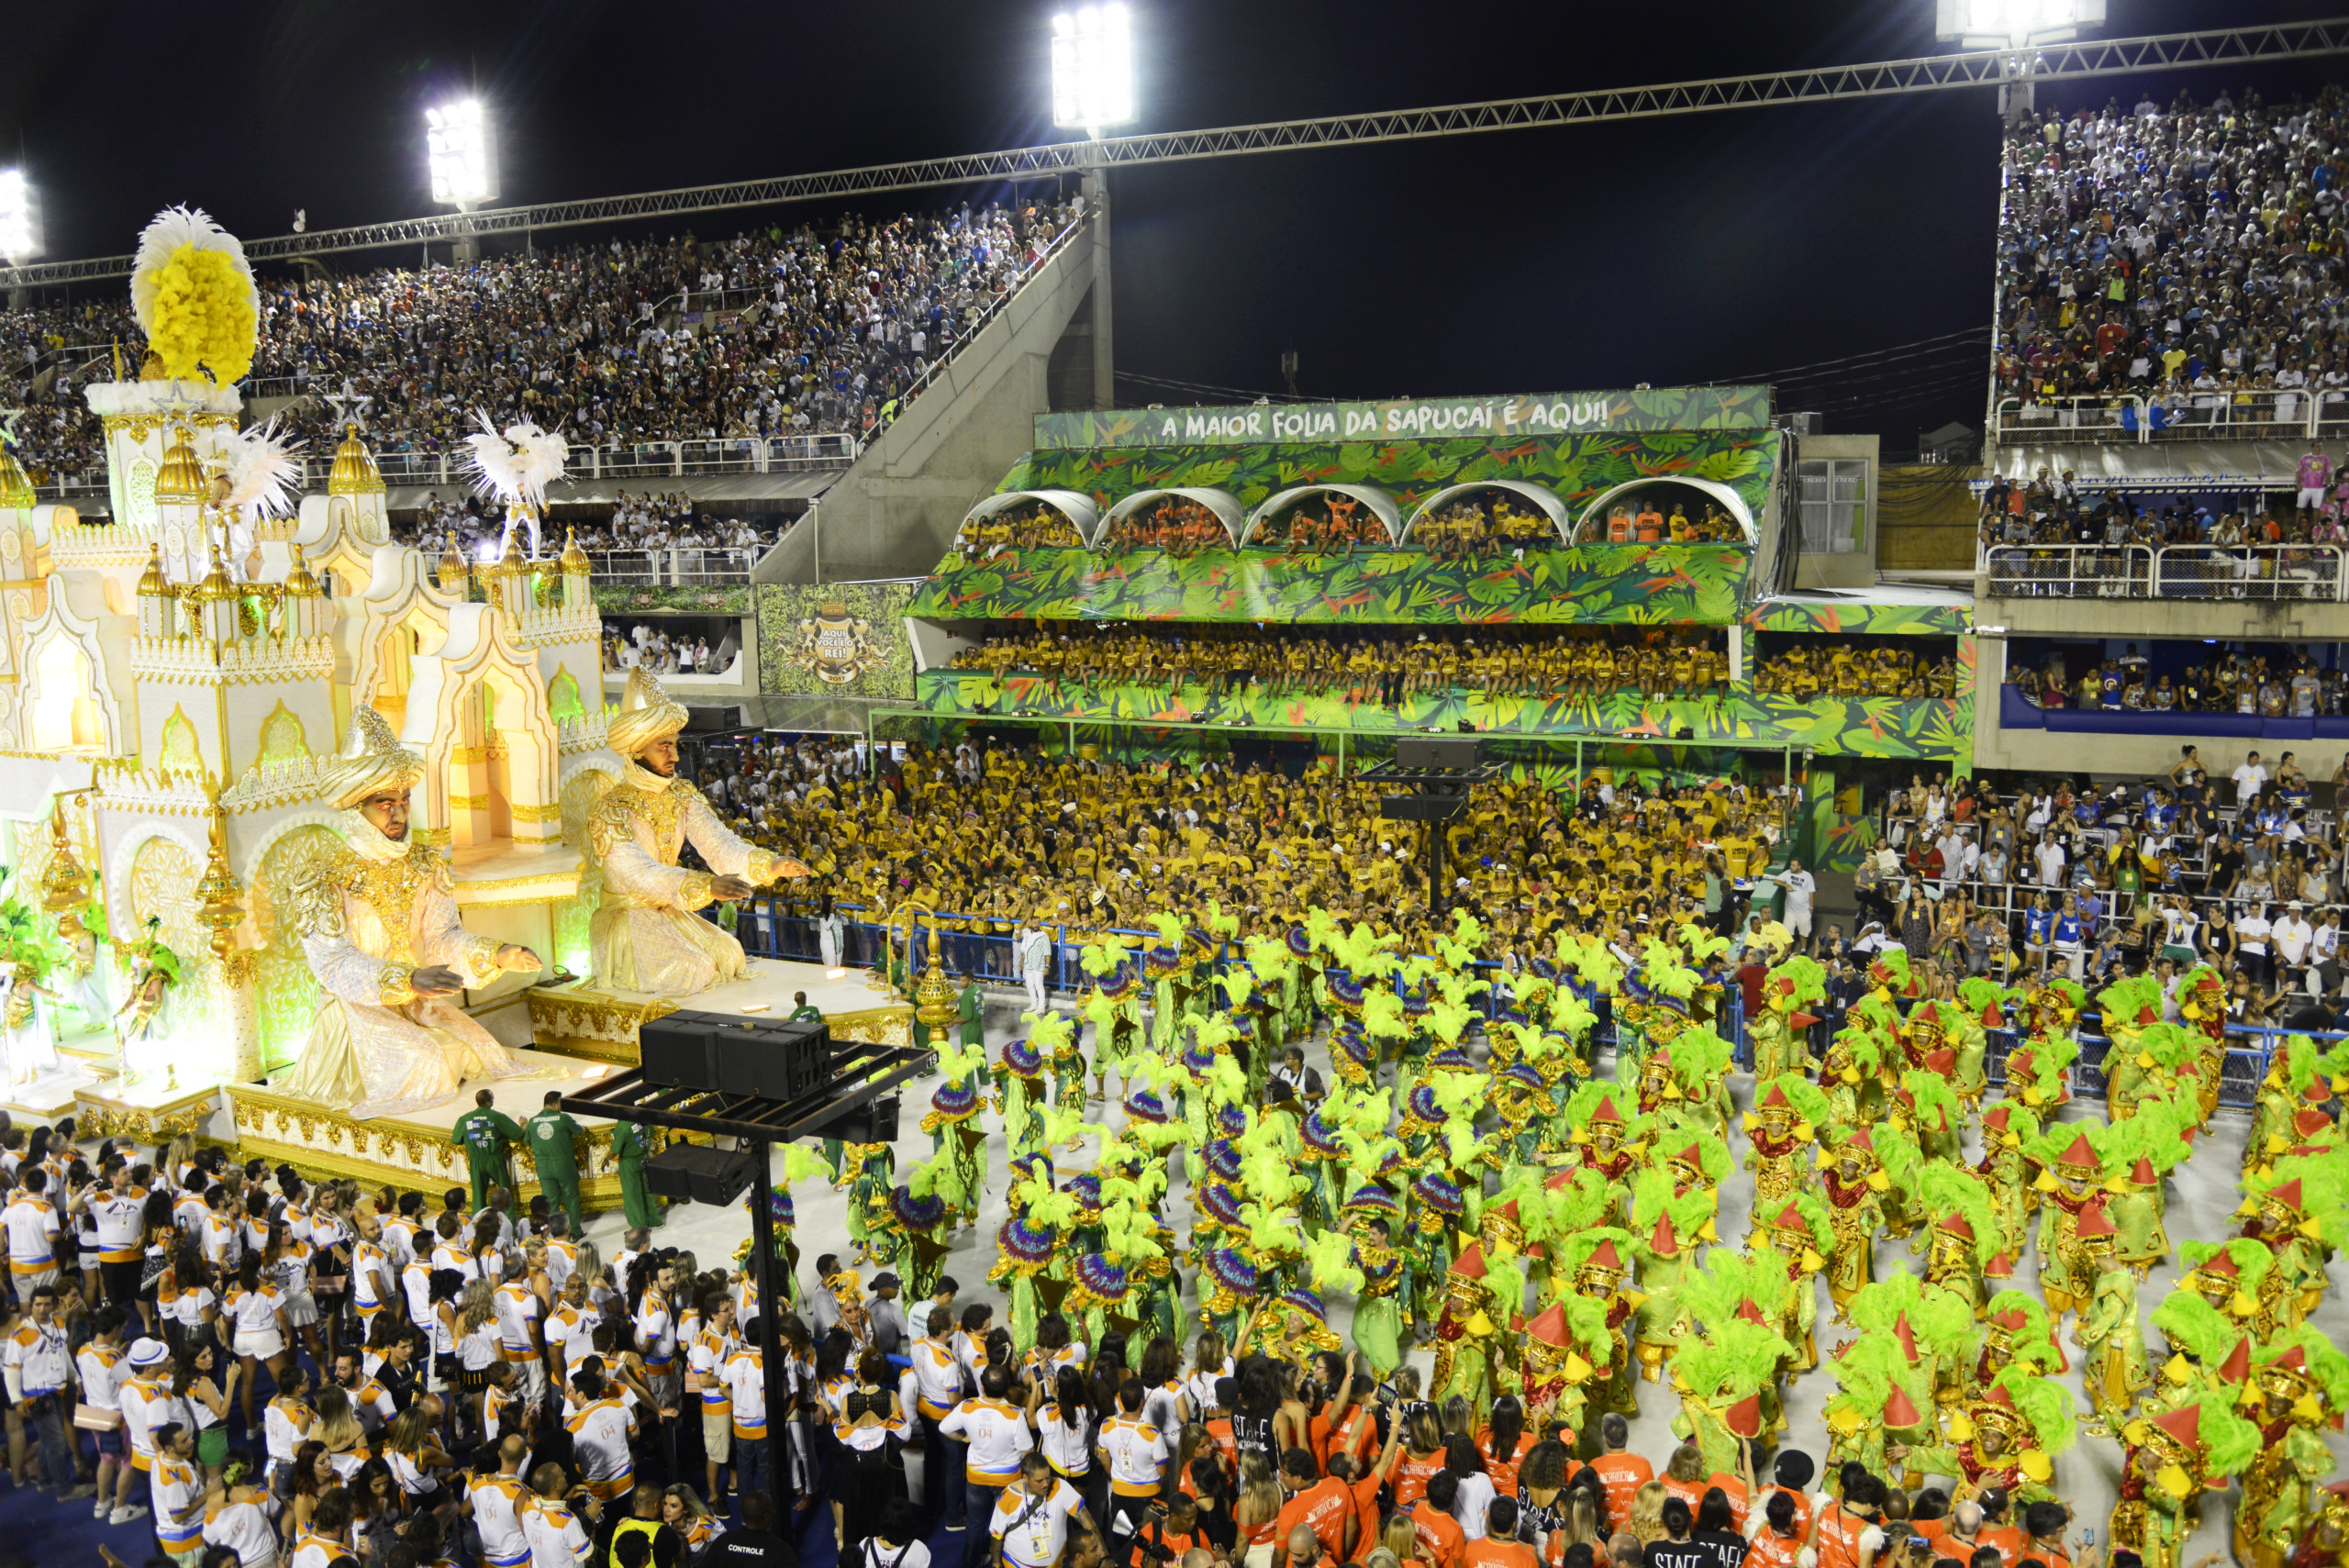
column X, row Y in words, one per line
column 646, row 934
column 380, row 929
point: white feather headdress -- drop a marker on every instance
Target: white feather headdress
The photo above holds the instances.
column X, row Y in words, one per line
column 264, row 471
column 171, row 228
column 517, row 463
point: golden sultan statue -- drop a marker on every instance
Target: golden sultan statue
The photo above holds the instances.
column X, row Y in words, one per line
column 646, row 934
column 380, row 928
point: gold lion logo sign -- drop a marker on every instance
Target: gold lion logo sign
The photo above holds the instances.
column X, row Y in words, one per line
column 836, row 646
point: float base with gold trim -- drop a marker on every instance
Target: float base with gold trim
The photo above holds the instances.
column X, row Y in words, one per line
column 599, row 1023
column 414, row 1151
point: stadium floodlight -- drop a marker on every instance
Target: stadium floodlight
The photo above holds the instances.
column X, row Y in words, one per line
column 1093, row 69
column 19, row 239
column 461, row 150
column 2014, row 24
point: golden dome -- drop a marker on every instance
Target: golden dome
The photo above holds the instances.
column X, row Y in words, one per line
column 299, row 584
column 354, row 472
column 215, row 586
column 182, row 479
column 451, row 561
column 573, row 558
column 154, row 585
column 513, row 565
column 16, row 490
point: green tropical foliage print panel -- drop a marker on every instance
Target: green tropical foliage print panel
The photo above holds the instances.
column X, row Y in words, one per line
column 1876, row 620
column 1930, row 728
column 622, row 600
column 1592, row 584
column 1579, row 468
column 845, row 640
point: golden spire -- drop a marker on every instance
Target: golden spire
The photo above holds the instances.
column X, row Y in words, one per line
column 574, row 559
column 452, row 566
column 215, row 586
column 16, row 490
column 154, row 585
column 354, row 472
column 513, row 565
column 183, row 478
column 299, row 583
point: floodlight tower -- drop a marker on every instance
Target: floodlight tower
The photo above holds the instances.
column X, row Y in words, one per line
column 1093, row 91
column 460, row 154
column 2020, row 25
column 19, row 227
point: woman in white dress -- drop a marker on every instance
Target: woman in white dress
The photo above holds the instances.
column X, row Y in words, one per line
column 23, row 1004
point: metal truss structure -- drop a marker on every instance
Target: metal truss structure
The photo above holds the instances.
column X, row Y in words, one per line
column 1831, row 83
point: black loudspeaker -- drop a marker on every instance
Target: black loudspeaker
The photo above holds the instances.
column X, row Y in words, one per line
column 1453, row 753
column 680, row 1051
column 874, row 1122
column 773, row 1059
column 703, row 1174
column 699, row 720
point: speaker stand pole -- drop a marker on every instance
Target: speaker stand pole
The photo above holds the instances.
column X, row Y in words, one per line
column 771, row 1308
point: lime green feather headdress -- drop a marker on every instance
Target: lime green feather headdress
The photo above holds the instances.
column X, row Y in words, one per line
column 1944, row 1189
column 1730, row 1359
column 1941, row 1320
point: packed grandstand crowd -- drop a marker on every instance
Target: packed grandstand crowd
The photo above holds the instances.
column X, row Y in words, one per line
column 665, row 652
column 617, row 343
column 2271, row 681
column 2193, row 254
column 1387, row 665
column 2053, row 509
column 664, row 521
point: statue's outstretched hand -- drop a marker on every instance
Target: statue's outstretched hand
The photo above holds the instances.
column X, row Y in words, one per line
column 518, row 959
column 436, row 980
column 727, row 889
column 790, row 868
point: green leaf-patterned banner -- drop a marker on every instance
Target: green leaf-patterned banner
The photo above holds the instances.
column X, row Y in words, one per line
column 1579, row 468
column 1648, row 408
column 1850, row 619
column 723, row 601
column 1595, row 584
column 1935, row 728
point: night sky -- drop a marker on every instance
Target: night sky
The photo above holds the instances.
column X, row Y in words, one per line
column 1702, row 248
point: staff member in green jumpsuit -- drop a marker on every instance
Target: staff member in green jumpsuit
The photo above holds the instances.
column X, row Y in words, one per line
column 628, row 1147
column 804, row 1011
column 549, row 1136
column 970, row 1027
column 488, row 1136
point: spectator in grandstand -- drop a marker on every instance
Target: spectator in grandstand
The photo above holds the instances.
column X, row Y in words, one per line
column 771, row 333
column 2190, row 257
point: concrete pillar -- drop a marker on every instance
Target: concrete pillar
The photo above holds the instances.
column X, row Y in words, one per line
column 1096, row 187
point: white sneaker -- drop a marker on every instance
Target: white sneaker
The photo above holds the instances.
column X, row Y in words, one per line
column 123, row 1516
column 99, row 1510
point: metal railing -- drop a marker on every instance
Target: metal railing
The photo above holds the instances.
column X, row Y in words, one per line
column 2054, row 421
column 2312, row 573
column 2099, row 418
column 681, row 568
column 2068, row 571
column 640, row 460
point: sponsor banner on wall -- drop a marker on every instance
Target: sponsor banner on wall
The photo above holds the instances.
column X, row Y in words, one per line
column 1545, row 414
column 835, row 638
